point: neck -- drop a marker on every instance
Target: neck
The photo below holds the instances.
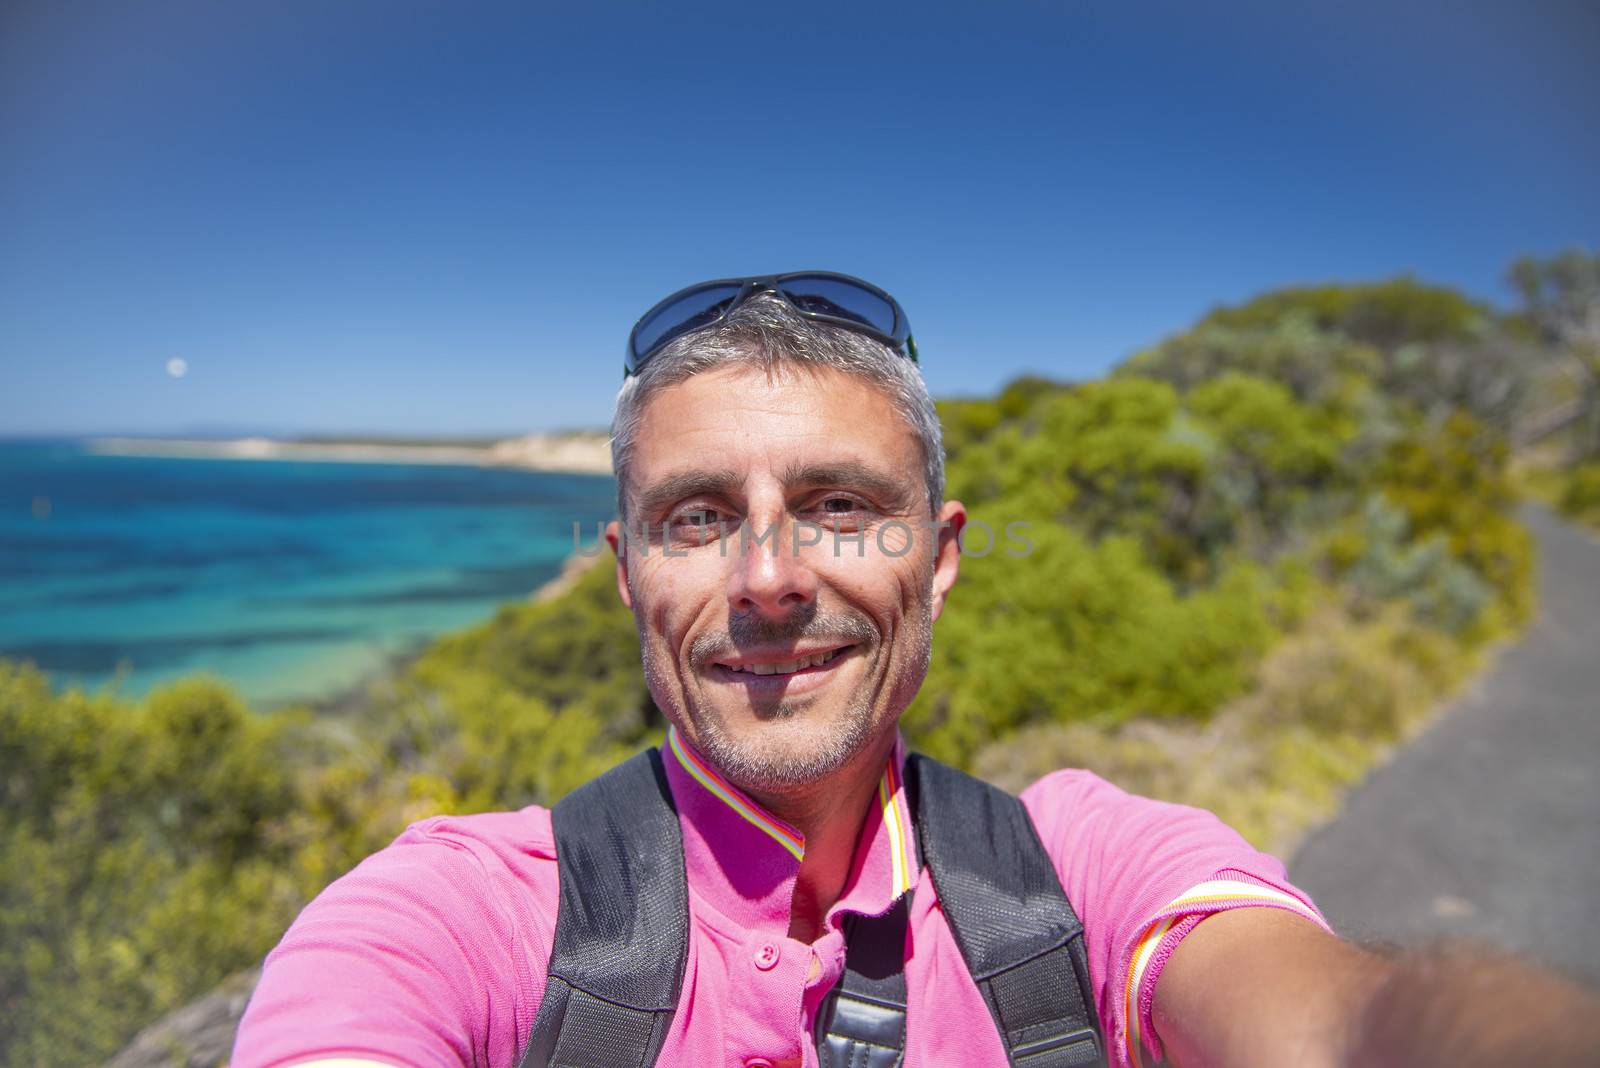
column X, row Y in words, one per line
column 830, row 814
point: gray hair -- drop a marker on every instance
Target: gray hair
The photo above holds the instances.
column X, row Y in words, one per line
column 765, row 333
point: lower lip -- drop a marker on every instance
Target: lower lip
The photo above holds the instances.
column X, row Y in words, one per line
column 797, row 682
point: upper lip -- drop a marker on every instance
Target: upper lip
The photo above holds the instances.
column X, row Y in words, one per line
column 746, row 658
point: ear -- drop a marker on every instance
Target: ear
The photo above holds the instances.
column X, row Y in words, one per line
column 619, row 547
column 947, row 552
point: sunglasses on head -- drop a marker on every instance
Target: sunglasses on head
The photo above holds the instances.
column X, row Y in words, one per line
column 823, row 296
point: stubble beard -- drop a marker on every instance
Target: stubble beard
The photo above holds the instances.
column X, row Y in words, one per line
column 791, row 749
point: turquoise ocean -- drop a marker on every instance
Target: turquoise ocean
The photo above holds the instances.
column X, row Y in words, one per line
column 291, row 580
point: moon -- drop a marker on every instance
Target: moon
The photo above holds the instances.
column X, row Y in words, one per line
column 177, row 367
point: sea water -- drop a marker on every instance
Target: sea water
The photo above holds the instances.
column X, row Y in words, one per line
column 291, row 580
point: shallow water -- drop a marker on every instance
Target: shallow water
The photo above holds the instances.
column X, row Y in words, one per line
column 292, row 580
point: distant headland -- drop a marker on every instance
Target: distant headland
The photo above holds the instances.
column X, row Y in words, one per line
column 581, row 451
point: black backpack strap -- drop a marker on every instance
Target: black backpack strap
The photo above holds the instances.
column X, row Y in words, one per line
column 863, row 1022
column 622, row 925
column 1020, row 937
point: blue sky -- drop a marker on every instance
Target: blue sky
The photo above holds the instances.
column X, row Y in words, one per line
column 443, row 218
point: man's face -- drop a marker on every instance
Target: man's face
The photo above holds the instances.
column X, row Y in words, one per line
column 781, row 660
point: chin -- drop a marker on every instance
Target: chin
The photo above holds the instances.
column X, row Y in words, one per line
column 785, row 747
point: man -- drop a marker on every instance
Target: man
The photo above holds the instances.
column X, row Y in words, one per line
column 784, row 545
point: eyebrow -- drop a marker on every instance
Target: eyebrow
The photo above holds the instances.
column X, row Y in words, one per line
column 685, row 484
column 854, row 474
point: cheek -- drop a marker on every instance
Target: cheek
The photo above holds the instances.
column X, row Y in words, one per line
column 670, row 595
column 890, row 588
column 898, row 594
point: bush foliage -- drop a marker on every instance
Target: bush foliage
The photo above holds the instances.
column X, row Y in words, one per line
column 1580, row 497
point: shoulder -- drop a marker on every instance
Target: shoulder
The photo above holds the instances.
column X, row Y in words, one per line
column 479, row 855
column 452, row 922
column 1140, row 873
column 491, row 871
column 520, row 837
column 1078, row 813
column 1124, row 858
column 1096, row 796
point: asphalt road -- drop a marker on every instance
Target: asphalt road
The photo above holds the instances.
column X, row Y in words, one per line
column 1488, row 825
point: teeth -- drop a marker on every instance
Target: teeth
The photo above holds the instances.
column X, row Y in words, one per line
column 788, row 667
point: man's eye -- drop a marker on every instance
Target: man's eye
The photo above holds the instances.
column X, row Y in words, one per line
column 699, row 519
column 841, row 509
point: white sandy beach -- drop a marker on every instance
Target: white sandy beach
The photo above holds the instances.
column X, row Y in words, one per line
column 583, row 452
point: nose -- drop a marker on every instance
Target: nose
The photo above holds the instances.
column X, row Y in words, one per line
column 770, row 577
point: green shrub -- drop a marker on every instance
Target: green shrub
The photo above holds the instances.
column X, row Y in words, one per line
column 578, row 652
column 1388, row 565
column 1580, row 497
column 1079, row 631
column 1272, row 763
column 138, row 862
column 1454, row 480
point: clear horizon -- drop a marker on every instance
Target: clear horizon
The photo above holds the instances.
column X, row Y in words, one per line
column 391, row 219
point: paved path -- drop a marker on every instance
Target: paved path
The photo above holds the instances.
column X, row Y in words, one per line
column 1488, row 825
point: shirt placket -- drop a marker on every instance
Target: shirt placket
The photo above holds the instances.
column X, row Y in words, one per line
column 769, row 1027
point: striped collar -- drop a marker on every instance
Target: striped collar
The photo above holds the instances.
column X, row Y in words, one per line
column 745, row 858
column 703, row 773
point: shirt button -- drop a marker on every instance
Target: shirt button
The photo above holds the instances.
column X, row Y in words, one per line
column 766, row 959
column 757, row 1062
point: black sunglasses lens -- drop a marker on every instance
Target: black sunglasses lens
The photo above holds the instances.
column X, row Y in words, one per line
column 841, row 300
column 694, row 309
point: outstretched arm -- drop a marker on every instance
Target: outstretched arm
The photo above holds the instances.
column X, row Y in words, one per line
column 1265, row 987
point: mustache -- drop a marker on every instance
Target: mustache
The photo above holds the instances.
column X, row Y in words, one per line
column 808, row 624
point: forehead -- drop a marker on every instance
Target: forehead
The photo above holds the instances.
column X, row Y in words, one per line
column 743, row 419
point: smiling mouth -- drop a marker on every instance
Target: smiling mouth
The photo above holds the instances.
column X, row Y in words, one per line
column 809, row 663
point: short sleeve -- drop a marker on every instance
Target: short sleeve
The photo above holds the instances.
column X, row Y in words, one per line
column 1141, row 874
column 428, row 954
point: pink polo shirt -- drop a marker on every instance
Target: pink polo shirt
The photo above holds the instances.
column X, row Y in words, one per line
column 431, row 953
